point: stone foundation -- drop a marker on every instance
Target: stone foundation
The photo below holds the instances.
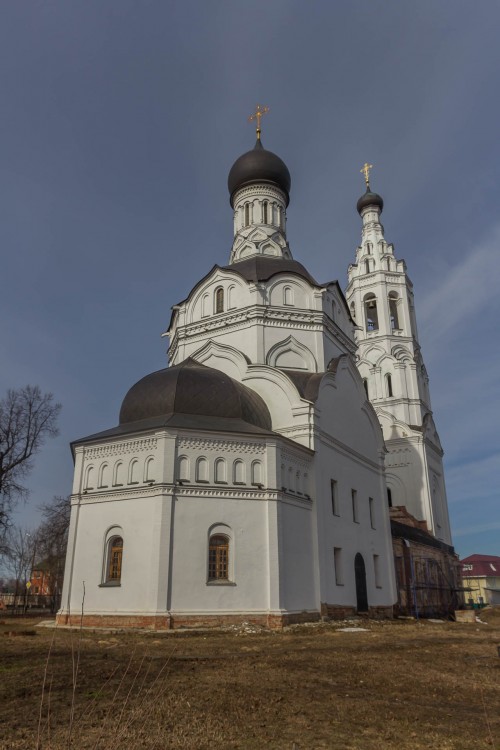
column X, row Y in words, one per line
column 338, row 612
column 172, row 622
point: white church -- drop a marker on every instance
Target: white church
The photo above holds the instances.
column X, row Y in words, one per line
column 251, row 479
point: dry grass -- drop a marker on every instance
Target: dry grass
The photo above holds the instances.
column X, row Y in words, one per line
column 402, row 685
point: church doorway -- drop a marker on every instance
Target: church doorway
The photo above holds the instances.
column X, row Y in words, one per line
column 361, row 591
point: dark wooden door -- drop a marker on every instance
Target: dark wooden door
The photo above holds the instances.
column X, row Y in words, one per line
column 361, row 592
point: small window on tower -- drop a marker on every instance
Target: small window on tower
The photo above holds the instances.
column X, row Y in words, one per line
column 264, row 213
column 219, row 300
column 368, row 248
column 371, row 313
column 365, row 386
column 367, row 266
column 393, row 311
column 247, row 214
column 389, row 385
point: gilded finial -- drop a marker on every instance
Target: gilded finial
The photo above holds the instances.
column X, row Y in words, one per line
column 366, row 171
column 259, row 111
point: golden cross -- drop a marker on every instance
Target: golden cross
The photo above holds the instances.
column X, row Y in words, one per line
column 259, row 111
column 366, row 171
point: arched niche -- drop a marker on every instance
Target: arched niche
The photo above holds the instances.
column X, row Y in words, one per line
column 290, row 354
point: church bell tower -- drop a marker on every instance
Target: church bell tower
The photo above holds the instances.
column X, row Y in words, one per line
column 380, row 298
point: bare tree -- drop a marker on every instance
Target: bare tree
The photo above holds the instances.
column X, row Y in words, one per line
column 18, row 557
column 52, row 540
column 27, row 418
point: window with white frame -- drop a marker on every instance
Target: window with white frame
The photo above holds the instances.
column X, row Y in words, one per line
column 113, row 557
column 218, row 558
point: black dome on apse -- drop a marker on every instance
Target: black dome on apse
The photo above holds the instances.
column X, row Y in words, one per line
column 370, row 199
column 259, row 165
column 195, row 390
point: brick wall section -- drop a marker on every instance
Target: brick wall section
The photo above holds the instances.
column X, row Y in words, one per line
column 166, row 622
column 427, row 571
column 335, row 612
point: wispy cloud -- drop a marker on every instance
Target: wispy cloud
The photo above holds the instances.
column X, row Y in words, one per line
column 468, row 289
column 472, row 481
column 479, row 529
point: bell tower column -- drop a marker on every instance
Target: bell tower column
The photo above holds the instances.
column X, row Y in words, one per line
column 380, row 298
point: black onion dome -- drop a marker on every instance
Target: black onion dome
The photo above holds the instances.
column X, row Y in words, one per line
column 370, row 199
column 259, row 165
column 195, row 390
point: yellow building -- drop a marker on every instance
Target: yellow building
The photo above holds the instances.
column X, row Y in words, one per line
column 481, row 574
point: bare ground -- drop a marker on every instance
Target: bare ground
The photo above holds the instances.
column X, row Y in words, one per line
column 401, row 684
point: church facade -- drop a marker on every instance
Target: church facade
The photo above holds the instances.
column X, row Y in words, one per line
column 247, row 480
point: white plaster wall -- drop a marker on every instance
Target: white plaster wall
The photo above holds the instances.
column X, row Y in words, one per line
column 246, row 525
column 297, row 559
column 140, row 519
column 341, row 531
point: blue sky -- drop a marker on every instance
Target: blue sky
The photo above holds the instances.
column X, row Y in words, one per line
column 120, row 121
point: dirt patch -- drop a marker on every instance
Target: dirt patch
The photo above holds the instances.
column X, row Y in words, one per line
column 402, row 684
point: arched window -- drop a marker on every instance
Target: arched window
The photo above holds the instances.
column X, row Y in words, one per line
column 218, row 558
column 393, row 311
column 148, row 469
column 89, row 479
column 202, row 470
column 288, row 295
column 388, row 263
column 257, row 473
column 367, row 266
column 239, row 472
column 118, row 474
column 231, row 297
column 183, row 469
column 389, row 497
column 219, row 300
column 247, row 214
column 220, row 471
column 371, row 313
column 114, row 559
column 104, row 476
column 369, row 248
column 133, row 472
column 353, row 311
column 389, row 385
column 205, row 309
column 365, row 386
column 264, row 213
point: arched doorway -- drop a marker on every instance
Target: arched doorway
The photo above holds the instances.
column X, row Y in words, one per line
column 361, row 592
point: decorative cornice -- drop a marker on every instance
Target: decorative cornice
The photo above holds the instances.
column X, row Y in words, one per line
column 224, row 446
column 117, row 449
column 209, row 492
column 273, row 317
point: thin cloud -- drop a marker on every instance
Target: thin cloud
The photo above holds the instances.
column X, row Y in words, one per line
column 479, row 529
column 466, row 291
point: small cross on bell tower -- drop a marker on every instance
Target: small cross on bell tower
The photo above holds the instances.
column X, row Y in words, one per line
column 365, row 170
column 257, row 115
